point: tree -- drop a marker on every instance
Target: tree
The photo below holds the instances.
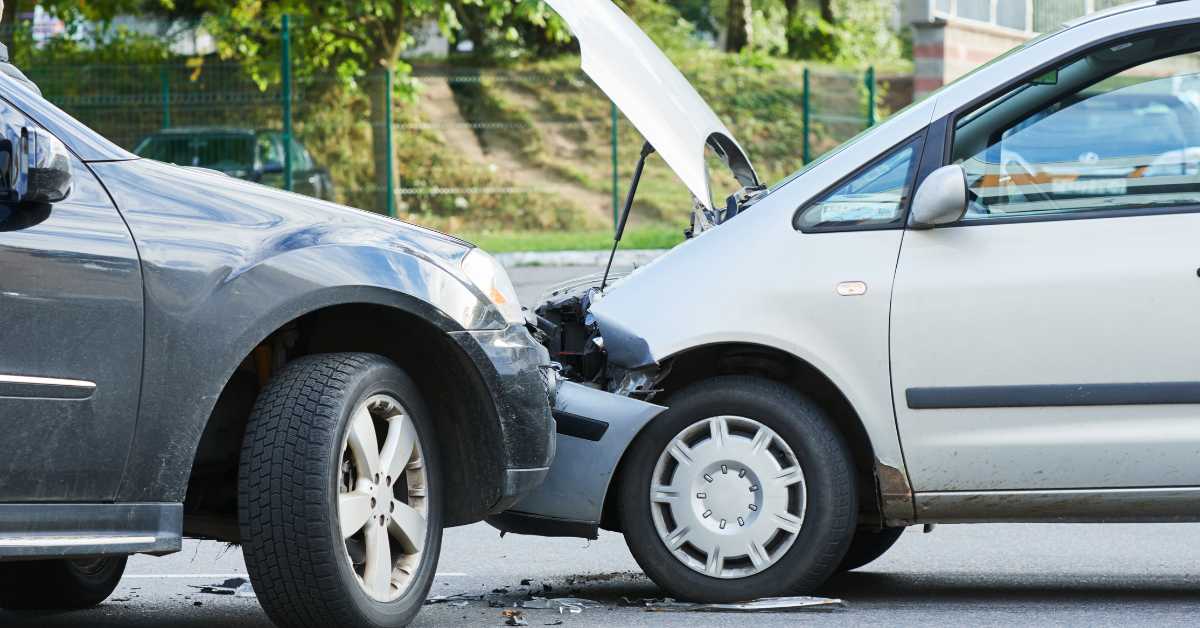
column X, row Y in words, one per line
column 357, row 41
column 739, row 25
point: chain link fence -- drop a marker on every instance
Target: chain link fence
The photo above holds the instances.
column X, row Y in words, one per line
column 456, row 147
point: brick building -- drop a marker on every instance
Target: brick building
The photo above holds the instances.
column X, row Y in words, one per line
column 952, row 37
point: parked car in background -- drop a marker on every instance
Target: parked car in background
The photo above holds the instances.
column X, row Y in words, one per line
column 189, row 354
column 981, row 310
column 254, row 155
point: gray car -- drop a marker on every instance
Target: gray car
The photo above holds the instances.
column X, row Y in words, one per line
column 190, row 354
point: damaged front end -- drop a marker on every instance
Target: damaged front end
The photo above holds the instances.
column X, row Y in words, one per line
column 594, row 351
column 602, row 404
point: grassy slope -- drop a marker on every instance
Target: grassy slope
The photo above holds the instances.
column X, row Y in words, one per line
column 568, row 133
column 550, row 118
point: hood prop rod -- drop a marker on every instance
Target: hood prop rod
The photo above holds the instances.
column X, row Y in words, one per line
column 647, row 150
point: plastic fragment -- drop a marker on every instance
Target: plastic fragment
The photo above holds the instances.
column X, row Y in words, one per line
column 572, row 605
column 761, row 605
column 237, row 587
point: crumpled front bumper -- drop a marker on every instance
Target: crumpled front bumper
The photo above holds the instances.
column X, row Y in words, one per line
column 517, row 371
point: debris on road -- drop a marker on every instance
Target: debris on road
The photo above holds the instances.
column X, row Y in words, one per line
column 762, row 605
column 573, row 605
column 513, row 617
column 237, row 587
column 454, row 599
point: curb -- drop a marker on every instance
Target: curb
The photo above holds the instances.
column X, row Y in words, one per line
column 634, row 257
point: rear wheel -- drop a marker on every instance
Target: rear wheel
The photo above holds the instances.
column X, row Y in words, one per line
column 59, row 584
column 741, row 489
column 869, row 545
column 340, row 503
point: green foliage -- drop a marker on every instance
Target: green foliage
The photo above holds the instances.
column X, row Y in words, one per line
column 107, row 46
column 663, row 24
column 861, row 31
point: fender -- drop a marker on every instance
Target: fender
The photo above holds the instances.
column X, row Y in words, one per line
column 595, row 429
column 756, row 280
column 226, row 265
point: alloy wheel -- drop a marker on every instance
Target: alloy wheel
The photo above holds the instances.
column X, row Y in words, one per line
column 382, row 507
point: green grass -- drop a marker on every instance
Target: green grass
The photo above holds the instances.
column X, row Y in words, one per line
column 641, row 237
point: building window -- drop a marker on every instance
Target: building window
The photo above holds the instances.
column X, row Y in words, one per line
column 1049, row 15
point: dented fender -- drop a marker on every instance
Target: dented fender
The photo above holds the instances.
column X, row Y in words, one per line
column 595, row 428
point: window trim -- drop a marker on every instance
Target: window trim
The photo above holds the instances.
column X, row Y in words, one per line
column 951, row 129
column 918, row 143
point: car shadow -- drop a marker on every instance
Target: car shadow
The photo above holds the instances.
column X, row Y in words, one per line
column 952, row 589
column 958, row 588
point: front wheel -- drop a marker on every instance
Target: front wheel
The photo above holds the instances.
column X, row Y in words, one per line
column 59, row 584
column 741, row 489
column 340, row 494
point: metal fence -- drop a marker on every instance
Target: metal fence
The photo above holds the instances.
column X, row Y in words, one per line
column 529, row 148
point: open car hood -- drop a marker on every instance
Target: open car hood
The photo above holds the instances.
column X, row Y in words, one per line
column 653, row 94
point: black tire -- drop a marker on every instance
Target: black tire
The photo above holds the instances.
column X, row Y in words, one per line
column 868, row 545
column 59, row 584
column 831, row 509
column 290, row 471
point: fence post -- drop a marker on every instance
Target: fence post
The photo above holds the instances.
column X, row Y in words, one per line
column 286, row 72
column 165, row 80
column 870, row 80
column 807, row 119
column 616, row 191
column 387, row 119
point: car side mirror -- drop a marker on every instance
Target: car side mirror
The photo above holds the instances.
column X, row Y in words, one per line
column 272, row 167
column 941, row 199
column 35, row 166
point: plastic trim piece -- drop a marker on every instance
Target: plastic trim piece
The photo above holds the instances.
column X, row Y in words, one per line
column 75, row 530
column 1149, row 393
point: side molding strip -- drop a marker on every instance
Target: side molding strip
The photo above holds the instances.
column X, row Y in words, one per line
column 1148, row 393
column 26, row 386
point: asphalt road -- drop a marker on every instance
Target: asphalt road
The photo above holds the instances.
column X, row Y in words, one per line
column 977, row 575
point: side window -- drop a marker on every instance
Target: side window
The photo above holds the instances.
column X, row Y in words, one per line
column 300, row 157
column 1088, row 137
column 876, row 196
column 268, row 151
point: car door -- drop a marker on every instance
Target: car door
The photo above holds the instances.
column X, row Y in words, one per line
column 70, row 343
column 1049, row 339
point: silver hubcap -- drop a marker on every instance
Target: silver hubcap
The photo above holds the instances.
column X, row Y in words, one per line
column 382, row 509
column 727, row 497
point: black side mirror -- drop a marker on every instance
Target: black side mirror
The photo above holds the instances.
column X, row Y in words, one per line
column 34, row 166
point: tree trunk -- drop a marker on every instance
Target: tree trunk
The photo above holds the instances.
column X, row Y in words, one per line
column 380, row 100
column 792, row 7
column 827, row 11
column 739, row 31
column 8, row 21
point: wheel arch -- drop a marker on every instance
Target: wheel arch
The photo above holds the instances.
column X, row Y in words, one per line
column 400, row 327
column 741, row 358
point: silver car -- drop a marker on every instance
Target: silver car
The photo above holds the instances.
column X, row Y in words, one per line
column 982, row 310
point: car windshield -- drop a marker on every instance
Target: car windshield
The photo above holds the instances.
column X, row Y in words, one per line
column 224, row 152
